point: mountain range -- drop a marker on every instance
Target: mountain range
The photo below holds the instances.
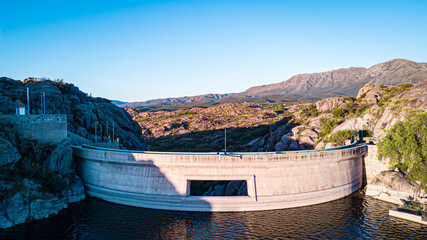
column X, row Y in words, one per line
column 312, row 86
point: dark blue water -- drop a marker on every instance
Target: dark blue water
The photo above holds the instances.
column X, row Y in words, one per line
column 352, row 217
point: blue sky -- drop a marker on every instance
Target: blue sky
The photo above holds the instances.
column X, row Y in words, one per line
column 140, row 50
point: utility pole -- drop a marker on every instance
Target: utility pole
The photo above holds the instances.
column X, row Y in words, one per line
column 225, row 140
column 96, row 123
column 44, row 103
column 41, row 104
column 108, row 136
column 113, row 131
column 28, row 100
column 100, row 131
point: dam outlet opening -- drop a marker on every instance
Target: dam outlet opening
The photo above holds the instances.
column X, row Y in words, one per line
column 218, row 188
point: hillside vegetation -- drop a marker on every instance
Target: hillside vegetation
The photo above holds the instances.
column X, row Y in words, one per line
column 280, row 127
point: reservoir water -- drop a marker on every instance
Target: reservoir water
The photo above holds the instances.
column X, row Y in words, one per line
column 354, row 217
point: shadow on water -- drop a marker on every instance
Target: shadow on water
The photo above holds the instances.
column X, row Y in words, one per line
column 352, row 217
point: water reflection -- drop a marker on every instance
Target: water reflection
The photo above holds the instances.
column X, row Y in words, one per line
column 353, row 217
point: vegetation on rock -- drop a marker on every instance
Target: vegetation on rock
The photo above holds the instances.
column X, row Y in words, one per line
column 271, row 127
column 339, row 137
column 405, row 146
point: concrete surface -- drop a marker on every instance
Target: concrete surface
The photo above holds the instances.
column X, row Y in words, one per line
column 275, row 180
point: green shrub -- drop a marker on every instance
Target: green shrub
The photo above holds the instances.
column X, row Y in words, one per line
column 350, row 107
column 405, row 146
column 404, row 86
column 368, row 133
column 361, row 109
column 328, row 126
column 276, row 107
column 34, row 151
column 309, row 111
column 339, row 137
column 348, row 98
column 339, row 113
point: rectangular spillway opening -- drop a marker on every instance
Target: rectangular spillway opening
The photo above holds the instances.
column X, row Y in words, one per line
column 218, row 188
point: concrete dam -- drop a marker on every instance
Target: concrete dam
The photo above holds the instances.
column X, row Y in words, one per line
column 275, row 180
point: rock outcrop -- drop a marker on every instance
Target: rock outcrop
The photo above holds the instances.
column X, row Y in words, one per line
column 329, row 104
column 356, row 123
column 392, row 186
column 289, row 137
column 370, row 93
column 223, row 188
column 399, row 106
column 83, row 111
column 30, row 203
column 9, row 155
column 396, row 181
column 61, row 158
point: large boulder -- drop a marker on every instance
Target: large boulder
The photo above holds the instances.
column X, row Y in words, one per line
column 372, row 93
column 284, row 142
column 356, row 123
column 309, row 133
column 320, row 145
column 243, row 190
column 396, row 181
column 280, row 146
column 44, row 208
column 9, row 155
column 307, row 142
column 297, row 130
column 329, row 104
column 75, row 192
column 16, row 208
column 219, row 190
column 294, row 146
column 392, row 186
column 232, row 188
column 61, row 158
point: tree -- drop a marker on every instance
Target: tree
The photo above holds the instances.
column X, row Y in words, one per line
column 339, row 113
column 405, row 145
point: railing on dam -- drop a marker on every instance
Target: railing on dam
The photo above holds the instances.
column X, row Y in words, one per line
column 161, row 180
column 353, row 145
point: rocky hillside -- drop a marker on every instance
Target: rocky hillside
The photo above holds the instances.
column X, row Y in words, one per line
column 202, row 129
column 348, row 81
column 281, row 127
column 37, row 180
column 329, row 122
column 82, row 111
column 345, row 82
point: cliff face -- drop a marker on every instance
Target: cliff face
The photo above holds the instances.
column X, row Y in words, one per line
column 82, row 110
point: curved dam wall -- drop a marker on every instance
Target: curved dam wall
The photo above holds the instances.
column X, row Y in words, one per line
column 161, row 180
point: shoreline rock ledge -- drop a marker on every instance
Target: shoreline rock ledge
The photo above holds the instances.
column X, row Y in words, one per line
column 32, row 190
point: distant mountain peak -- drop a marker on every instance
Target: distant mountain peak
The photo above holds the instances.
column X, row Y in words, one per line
column 343, row 81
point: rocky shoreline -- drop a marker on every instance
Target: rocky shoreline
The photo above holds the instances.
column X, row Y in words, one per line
column 31, row 204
